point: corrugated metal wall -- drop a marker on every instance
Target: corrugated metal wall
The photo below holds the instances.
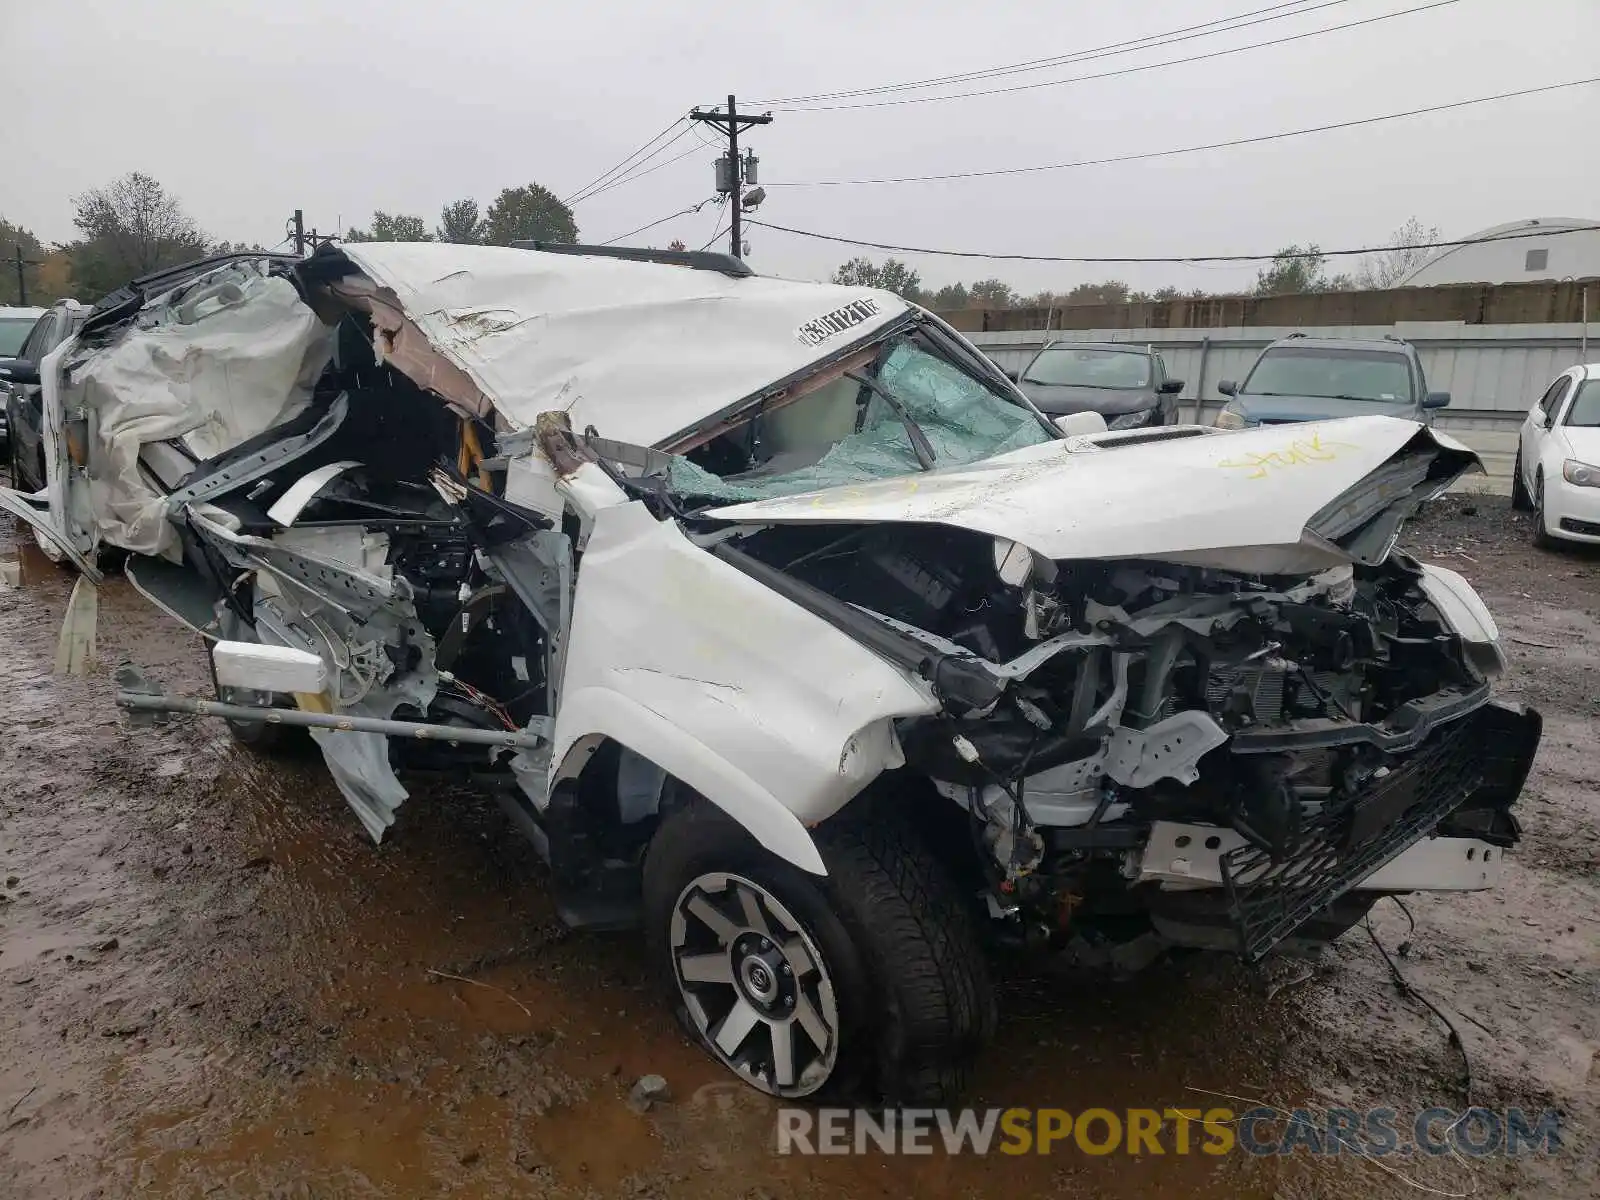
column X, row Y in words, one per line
column 1494, row 373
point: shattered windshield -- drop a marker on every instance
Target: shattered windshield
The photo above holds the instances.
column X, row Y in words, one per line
column 861, row 425
column 1073, row 367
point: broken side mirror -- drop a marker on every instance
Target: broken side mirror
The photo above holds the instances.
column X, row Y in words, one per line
column 1170, row 387
column 1436, row 400
column 1228, row 388
column 20, row 370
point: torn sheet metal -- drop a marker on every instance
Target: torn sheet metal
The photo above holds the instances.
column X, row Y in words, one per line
column 304, row 490
column 402, row 345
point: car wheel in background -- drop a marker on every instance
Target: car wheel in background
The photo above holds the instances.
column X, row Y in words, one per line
column 1520, row 500
column 1541, row 535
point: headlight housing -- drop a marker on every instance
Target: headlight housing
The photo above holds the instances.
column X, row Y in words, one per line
column 1131, row 420
column 1580, row 474
column 1228, row 419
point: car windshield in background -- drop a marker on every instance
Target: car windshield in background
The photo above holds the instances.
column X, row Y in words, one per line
column 1585, row 408
column 849, row 431
column 13, row 332
column 1090, row 368
column 1331, row 374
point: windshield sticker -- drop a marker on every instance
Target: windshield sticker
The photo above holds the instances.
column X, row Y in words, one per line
column 819, row 329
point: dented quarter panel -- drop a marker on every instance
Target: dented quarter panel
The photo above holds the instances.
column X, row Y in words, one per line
column 1247, row 497
column 767, row 710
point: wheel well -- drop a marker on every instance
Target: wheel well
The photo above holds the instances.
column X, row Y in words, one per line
column 944, row 826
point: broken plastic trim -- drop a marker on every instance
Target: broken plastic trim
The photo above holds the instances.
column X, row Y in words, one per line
column 961, row 682
column 1406, row 729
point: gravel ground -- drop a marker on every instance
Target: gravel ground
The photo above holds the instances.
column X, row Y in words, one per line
column 211, row 983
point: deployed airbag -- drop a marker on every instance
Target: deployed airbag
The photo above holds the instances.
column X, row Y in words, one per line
column 235, row 354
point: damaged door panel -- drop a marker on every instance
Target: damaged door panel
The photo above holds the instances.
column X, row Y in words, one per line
column 788, row 629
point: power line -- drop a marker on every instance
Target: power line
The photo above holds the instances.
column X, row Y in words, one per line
column 718, row 226
column 682, row 212
column 577, row 195
column 636, row 169
column 640, row 174
column 1171, row 62
column 1110, row 49
column 1170, row 259
column 1152, row 154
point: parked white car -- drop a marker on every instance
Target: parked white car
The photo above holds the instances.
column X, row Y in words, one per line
column 1557, row 472
column 786, row 627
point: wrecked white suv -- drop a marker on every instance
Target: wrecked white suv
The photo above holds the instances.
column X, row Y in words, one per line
column 786, row 628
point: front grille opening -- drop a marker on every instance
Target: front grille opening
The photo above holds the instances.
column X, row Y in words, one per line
column 1345, row 843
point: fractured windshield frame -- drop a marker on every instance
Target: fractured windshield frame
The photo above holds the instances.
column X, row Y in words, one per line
column 731, row 451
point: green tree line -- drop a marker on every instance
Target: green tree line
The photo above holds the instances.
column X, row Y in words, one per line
column 1293, row 269
column 133, row 226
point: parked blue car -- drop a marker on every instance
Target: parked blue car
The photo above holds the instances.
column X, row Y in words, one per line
column 1299, row 378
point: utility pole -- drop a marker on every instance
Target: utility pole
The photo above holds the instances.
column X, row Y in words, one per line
column 22, row 279
column 299, row 233
column 731, row 174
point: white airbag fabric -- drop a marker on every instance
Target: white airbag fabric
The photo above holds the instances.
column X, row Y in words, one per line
column 236, row 371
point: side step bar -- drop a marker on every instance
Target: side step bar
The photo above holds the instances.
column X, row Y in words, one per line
column 137, row 695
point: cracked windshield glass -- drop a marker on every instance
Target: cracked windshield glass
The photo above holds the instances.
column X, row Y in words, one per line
column 861, row 426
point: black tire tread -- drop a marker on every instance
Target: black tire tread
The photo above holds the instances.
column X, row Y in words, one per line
column 1520, row 500
column 919, row 939
column 1541, row 536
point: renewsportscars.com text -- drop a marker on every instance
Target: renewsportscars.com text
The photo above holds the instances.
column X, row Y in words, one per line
column 1375, row 1132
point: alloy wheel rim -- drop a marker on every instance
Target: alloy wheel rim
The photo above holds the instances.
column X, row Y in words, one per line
column 754, row 984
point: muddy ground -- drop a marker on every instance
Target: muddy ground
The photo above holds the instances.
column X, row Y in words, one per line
column 212, row 984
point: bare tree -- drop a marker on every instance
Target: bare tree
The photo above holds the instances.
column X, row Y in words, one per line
column 1409, row 247
column 128, row 228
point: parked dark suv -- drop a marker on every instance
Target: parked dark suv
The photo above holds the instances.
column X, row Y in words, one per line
column 1125, row 384
column 20, row 392
column 1299, row 378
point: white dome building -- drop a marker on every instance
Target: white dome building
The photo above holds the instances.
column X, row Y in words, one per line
column 1516, row 253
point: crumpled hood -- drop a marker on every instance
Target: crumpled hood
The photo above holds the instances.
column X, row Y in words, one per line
column 1058, row 399
column 1267, row 500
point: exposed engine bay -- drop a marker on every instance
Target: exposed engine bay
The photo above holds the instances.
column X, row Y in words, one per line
column 1303, row 715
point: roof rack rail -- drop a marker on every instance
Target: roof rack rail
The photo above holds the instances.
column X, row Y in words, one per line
column 699, row 260
column 1296, row 334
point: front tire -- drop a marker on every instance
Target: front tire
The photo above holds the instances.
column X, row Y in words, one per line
column 1541, row 535
column 869, row 979
column 1520, row 500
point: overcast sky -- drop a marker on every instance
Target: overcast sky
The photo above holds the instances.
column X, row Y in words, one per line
column 246, row 110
